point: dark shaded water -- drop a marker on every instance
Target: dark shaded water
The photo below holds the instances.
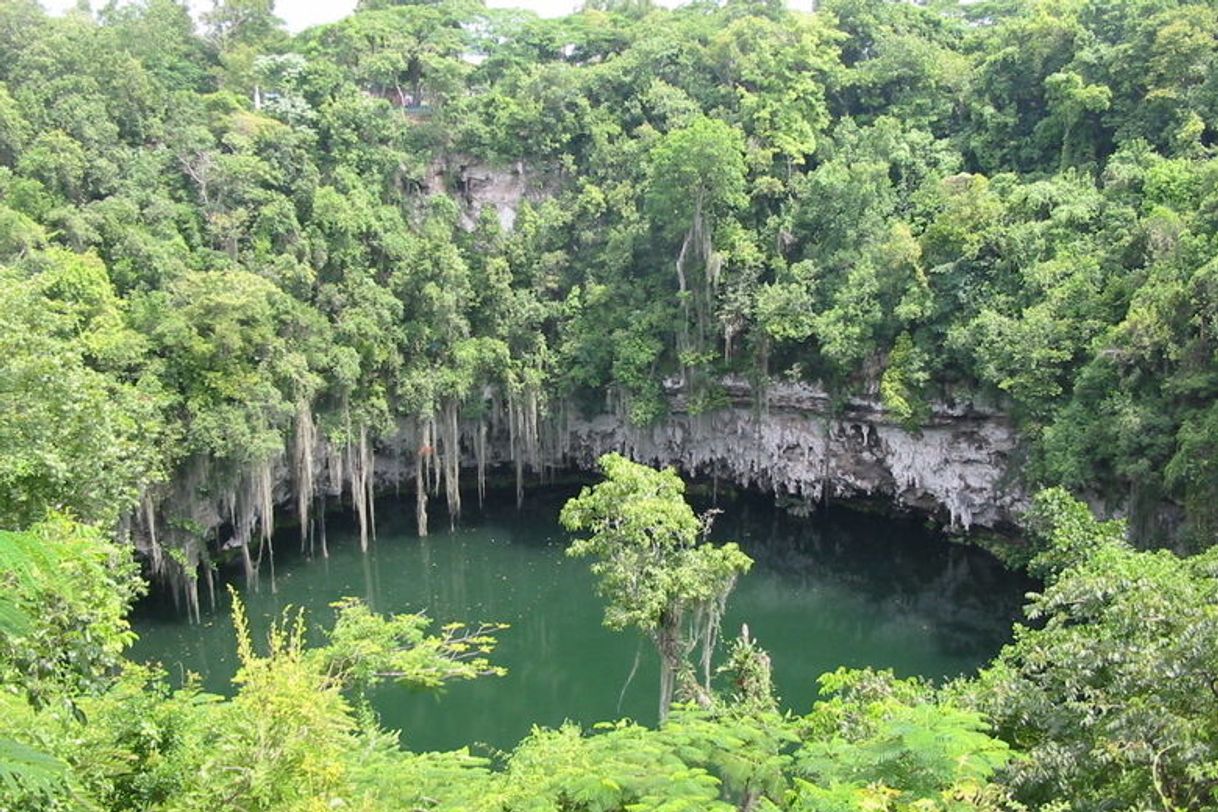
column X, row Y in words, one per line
column 839, row 588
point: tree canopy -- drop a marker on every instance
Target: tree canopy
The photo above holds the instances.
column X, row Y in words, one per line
column 237, row 262
column 656, row 569
column 273, row 237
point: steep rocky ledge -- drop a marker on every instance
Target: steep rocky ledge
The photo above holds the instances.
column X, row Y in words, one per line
column 958, row 468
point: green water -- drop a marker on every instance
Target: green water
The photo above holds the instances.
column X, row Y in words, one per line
column 839, row 588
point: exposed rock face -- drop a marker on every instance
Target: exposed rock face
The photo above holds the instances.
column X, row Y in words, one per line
column 479, row 186
column 957, row 467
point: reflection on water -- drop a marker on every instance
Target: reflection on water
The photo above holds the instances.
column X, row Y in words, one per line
column 838, row 588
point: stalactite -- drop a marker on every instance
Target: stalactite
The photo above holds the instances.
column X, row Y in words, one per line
column 420, row 477
column 369, row 478
column 306, row 440
column 451, row 435
column 480, row 456
column 356, row 460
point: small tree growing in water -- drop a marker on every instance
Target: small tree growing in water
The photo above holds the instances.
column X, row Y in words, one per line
column 656, row 568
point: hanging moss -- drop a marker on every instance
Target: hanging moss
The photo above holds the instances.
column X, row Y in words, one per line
column 304, row 445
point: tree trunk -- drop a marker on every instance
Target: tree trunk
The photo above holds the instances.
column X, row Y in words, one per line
column 668, row 644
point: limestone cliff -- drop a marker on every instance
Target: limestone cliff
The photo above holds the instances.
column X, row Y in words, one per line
column 958, row 467
column 479, row 186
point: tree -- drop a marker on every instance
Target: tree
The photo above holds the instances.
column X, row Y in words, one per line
column 656, row 569
column 697, row 176
column 877, row 742
column 76, row 433
column 84, row 728
column 1111, row 693
column 68, row 590
column 65, row 592
column 776, row 70
column 233, row 23
column 409, row 54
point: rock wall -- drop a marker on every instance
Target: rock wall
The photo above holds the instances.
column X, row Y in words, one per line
column 958, row 468
column 479, row 185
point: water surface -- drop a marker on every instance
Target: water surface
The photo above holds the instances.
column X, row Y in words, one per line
column 837, row 588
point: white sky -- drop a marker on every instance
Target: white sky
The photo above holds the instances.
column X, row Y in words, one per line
column 300, row 14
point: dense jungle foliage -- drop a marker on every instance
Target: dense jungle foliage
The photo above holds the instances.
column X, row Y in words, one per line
column 1104, row 701
column 220, row 242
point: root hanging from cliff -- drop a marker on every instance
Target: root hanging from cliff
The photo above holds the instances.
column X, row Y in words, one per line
column 532, row 408
column 305, row 442
column 697, row 253
column 359, row 461
column 264, row 486
column 513, row 448
column 186, row 581
column 480, row 458
column 148, row 512
column 191, row 588
column 321, row 521
column 523, row 434
column 634, row 669
column 707, row 622
column 250, row 504
column 451, row 435
column 240, row 514
column 369, row 465
column 433, row 459
column 335, row 459
column 420, row 476
column 211, row 585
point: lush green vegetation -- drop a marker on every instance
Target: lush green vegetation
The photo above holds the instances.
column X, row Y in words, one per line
column 227, row 245
column 656, row 568
column 1105, row 702
column 223, row 252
